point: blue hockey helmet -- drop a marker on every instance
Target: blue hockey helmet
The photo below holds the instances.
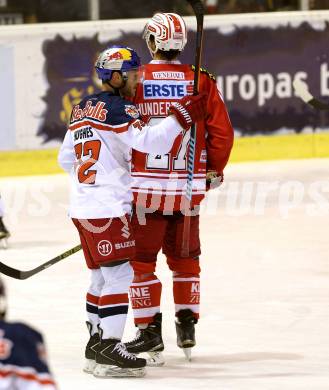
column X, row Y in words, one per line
column 116, row 58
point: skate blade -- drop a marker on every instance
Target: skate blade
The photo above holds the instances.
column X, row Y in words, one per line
column 4, row 243
column 156, row 359
column 89, row 366
column 188, row 353
column 107, row 371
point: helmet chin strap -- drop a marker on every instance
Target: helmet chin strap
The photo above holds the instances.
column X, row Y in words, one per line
column 152, row 52
column 117, row 89
column 124, row 78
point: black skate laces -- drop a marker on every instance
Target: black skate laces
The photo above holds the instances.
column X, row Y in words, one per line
column 122, row 351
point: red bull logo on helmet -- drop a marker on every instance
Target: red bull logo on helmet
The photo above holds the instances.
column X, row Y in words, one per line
column 119, row 54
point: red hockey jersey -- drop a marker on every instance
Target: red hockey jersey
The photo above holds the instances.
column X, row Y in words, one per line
column 159, row 181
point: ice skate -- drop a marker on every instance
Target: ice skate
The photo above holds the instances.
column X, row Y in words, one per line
column 90, row 351
column 4, row 242
column 113, row 360
column 149, row 340
column 185, row 331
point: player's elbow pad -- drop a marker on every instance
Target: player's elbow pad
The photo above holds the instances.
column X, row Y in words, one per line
column 65, row 165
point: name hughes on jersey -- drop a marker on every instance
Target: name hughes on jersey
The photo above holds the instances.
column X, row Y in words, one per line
column 83, row 133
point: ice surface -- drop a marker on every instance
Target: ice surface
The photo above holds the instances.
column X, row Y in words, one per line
column 264, row 283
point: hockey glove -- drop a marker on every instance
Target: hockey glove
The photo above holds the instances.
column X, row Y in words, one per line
column 189, row 109
column 214, row 180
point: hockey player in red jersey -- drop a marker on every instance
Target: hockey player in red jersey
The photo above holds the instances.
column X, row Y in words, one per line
column 23, row 364
column 159, row 187
column 96, row 151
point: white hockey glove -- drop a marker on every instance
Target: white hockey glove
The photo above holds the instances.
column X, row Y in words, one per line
column 214, row 180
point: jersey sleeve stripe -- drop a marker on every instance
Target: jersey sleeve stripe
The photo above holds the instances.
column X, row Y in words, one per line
column 100, row 126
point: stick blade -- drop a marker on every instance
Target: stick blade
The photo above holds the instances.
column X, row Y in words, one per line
column 318, row 104
column 12, row 272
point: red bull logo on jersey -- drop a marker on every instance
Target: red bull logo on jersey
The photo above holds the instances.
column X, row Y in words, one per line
column 94, row 112
column 169, row 89
column 132, row 111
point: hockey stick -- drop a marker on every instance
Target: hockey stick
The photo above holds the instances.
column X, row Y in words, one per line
column 199, row 14
column 302, row 91
column 17, row 274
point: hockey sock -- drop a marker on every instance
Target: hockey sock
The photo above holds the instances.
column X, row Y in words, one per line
column 186, row 289
column 145, row 296
column 92, row 299
column 142, row 326
column 113, row 303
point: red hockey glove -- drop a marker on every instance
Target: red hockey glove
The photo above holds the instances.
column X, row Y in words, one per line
column 214, row 180
column 189, row 109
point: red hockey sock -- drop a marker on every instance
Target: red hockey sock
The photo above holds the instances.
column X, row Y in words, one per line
column 186, row 289
column 145, row 296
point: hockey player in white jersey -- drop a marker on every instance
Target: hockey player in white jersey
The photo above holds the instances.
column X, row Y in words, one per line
column 96, row 152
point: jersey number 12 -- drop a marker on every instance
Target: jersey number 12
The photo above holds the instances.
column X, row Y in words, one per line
column 91, row 149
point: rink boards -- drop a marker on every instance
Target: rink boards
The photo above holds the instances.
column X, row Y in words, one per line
column 258, row 148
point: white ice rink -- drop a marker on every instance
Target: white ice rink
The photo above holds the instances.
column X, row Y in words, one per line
column 265, row 282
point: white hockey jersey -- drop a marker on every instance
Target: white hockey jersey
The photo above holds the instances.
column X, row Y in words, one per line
column 96, row 151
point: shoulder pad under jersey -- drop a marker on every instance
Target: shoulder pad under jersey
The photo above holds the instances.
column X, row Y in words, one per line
column 122, row 111
column 203, row 70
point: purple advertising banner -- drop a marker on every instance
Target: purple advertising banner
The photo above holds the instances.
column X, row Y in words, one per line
column 254, row 65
